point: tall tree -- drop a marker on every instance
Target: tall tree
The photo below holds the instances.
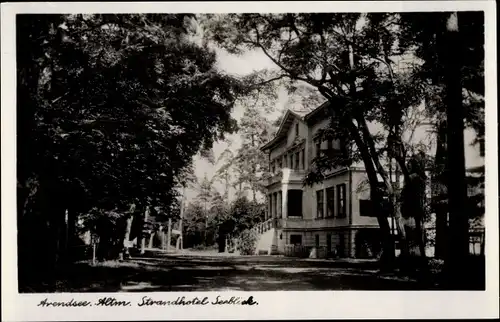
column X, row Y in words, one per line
column 251, row 163
column 348, row 59
column 452, row 47
column 88, row 143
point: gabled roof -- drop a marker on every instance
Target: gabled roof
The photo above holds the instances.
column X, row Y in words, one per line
column 287, row 122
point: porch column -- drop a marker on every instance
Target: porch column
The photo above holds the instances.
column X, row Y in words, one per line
column 270, row 206
column 284, row 200
column 280, row 204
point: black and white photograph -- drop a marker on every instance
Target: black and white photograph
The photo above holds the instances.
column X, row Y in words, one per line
column 192, row 152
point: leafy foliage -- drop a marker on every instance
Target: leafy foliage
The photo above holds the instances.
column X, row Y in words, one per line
column 250, row 162
column 130, row 137
column 247, row 242
column 111, row 110
column 356, row 61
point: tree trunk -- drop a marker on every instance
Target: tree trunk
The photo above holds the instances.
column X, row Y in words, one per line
column 126, row 239
column 387, row 257
column 441, row 233
column 141, row 236
column 169, row 234
column 457, row 191
column 439, row 190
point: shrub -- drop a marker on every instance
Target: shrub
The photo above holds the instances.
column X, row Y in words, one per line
column 247, row 242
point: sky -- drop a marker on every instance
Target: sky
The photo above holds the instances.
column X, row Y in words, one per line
column 257, row 60
column 237, row 65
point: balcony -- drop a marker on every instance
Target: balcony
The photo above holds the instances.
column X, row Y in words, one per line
column 275, row 178
column 300, row 223
column 293, row 175
column 286, row 175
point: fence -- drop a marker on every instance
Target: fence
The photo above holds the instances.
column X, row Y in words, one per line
column 476, row 241
column 302, row 251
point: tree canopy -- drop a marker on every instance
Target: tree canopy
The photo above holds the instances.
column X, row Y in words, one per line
column 126, row 140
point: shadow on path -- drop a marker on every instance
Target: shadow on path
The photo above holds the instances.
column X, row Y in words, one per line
column 181, row 273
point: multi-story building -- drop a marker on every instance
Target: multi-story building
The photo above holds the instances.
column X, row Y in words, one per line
column 335, row 215
column 331, row 216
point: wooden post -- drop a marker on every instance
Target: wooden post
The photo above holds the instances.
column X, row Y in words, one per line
column 66, row 235
column 93, row 253
column 181, row 217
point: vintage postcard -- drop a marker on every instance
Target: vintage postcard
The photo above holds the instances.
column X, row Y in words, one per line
column 250, row 160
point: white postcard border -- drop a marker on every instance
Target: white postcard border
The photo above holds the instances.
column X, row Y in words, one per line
column 272, row 305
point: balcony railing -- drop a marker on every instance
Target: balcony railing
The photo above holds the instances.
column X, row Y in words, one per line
column 301, row 223
column 275, row 178
column 287, row 175
column 294, row 175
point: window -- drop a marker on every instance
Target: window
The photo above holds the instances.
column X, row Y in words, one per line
column 275, row 204
column 296, row 239
column 365, row 208
column 297, row 160
column 330, row 144
column 284, row 161
column 270, row 198
column 341, row 245
column 291, row 161
column 303, row 159
column 341, row 200
column 296, row 129
column 319, row 204
column 316, row 241
column 280, row 164
column 330, row 202
column 318, row 148
column 294, row 207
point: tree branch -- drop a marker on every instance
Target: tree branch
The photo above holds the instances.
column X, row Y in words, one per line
column 270, row 80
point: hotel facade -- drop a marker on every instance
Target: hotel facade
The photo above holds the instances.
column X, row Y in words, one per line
column 331, row 217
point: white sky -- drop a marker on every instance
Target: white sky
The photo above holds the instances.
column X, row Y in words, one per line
column 240, row 65
column 246, row 64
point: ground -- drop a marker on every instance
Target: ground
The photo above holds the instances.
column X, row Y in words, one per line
column 192, row 271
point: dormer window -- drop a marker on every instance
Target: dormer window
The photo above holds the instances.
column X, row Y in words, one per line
column 296, row 129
